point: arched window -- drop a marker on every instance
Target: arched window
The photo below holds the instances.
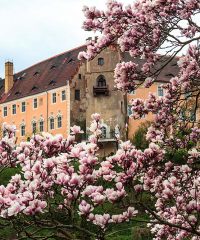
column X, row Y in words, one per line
column 101, row 81
column 34, row 127
column 23, row 130
column 41, row 125
column 59, row 123
column 51, row 123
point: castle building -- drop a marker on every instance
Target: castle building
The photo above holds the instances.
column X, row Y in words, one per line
column 62, row 91
column 37, row 99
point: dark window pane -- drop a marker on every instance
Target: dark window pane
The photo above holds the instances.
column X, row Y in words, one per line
column 34, row 127
column 77, row 95
column 59, row 122
column 100, row 61
column 14, row 109
column 52, row 123
column 41, row 125
column 63, row 95
column 5, row 111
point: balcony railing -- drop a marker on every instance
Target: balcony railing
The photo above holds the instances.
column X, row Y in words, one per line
column 101, row 90
column 108, row 136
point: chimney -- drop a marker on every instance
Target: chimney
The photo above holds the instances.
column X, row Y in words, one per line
column 9, row 79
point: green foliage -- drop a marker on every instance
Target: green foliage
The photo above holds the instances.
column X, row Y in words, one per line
column 178, row 156
column 141, row 233
column 139, row 138
column 127, row 231
column 7, row 173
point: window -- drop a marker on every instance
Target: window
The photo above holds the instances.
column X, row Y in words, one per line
column 132, row 92
column 23, row 107
column 54, row 98
column 52, row 82
column 5, row 111
column 35, row 103
column 4, row 133
column 63, row 95
column 17, row 93
column 103, row 132
column 79, row 76
column 101, row 81
column 160, row 91
column 36, row 73
column 51, row 123
column 52, row 67
column 188, row 94
column 41, row 125
column 34, row 127
column 34, row 88
column 14, row 109
column 122, row 107
column 129, row 111
column 100, row 61
column 183, row 115
column 70, row 60
column 23, row 130
column 59, row 121
column 77, row 94
column 192, row 116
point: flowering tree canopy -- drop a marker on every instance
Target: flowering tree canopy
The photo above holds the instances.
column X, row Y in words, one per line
column 60, row 177
column 157, row 31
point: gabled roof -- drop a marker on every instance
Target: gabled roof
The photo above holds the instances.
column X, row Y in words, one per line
column 46, row 75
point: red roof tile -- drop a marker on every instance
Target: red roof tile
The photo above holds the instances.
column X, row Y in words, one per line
column 46, row 75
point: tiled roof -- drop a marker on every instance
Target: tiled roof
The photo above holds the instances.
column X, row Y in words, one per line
column 46, row 75
column 55, row 71
column 169, row 71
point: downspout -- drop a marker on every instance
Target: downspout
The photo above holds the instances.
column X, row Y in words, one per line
column 126, row 120
column 47, row 111
column 68, row 103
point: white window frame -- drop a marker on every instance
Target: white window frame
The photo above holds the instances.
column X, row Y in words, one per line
column 15, row 109
column 107, row 132
column 50, row 123
column 52, row 98
column 100, row 61
column 59, row 116
column 34, row 103
column 22, row 106
column 23, row 125
column 129, row 111
column 5, row 108
column 160, row 87
column 34, row 122
column 41, row 121
column 62, row 96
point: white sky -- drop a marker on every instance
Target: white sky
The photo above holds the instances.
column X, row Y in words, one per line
column 33, row 30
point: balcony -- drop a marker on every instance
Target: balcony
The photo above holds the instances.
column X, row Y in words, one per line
column 108, row 136
column 101, row 90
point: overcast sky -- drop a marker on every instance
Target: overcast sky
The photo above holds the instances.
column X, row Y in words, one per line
column 33, row 30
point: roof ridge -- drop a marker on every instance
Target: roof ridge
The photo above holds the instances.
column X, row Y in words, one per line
column 57, row 55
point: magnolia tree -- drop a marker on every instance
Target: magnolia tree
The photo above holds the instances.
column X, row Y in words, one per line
column 64, row 191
